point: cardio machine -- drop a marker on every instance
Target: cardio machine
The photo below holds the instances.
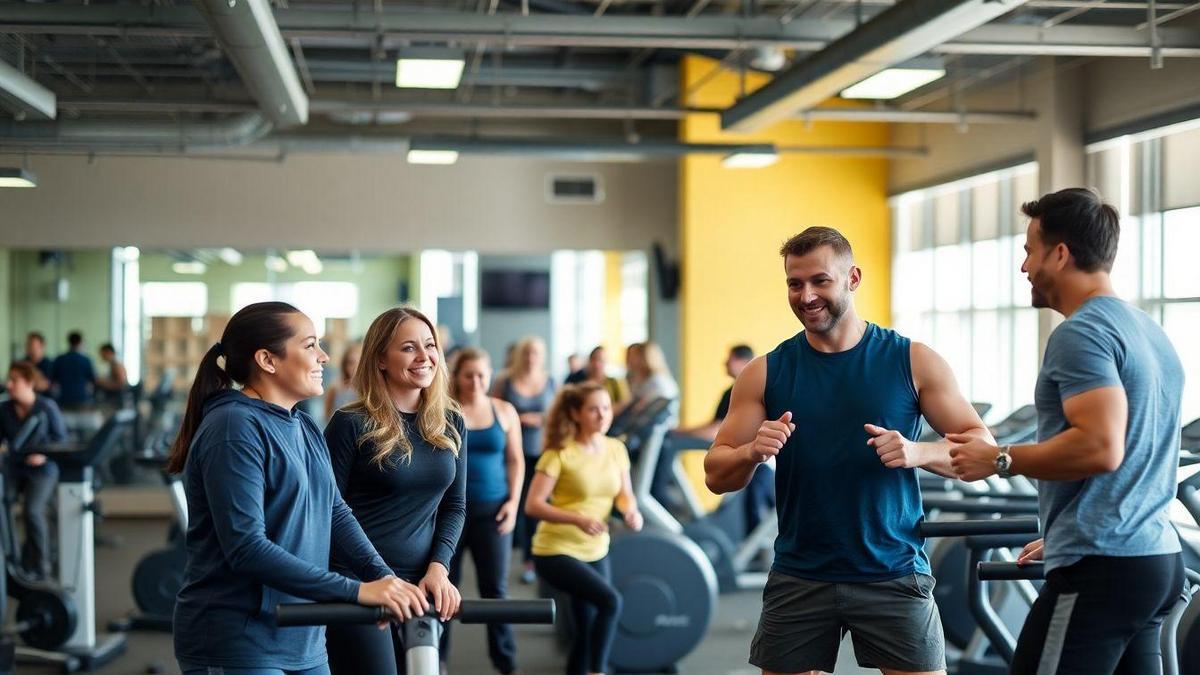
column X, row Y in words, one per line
column 422, row 634
column 57, row 622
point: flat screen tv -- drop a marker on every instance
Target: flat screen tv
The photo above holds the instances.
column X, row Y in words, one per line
column 514, row 289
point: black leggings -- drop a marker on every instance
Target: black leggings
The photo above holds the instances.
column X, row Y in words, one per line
column 357, row 650
column 1100, row 616
column 595, row 608
column 526, row 524
column 490, row 551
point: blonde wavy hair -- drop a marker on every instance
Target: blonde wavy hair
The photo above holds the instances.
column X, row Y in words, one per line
column 461, row 358
column 560, row 427
column 384, row 426
column 654, row 362
column 521, row 364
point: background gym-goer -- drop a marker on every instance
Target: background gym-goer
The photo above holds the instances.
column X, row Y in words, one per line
column 113, row 386
column 495, row 470
column 1108, row 400
column 583, row 474
column 596, row 370
column 35, row 353
column 341, row 393
column 263, row 511
column 759, row 494
column 74, row 375
column 836, row 406
column 30, row 473
column 650, row 377
column 575, row 366
column 527, row 386
column 399, row 458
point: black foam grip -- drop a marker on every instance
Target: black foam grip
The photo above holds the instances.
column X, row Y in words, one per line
column 506, row 611
column 320, row 614
column 994, row 570
column 965, row 528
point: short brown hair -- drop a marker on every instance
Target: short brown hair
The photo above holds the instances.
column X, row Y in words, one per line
column 815, row 237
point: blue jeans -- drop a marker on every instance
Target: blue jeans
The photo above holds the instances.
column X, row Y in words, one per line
column 189, row 669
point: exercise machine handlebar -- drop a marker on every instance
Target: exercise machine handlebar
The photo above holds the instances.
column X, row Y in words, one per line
column 470, row 611
column 997, row 570
column 967, row 528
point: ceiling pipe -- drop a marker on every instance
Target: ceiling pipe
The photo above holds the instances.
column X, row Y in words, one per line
column 449, row 110
column 249, row 36
column 235, row 131
column 24, row 97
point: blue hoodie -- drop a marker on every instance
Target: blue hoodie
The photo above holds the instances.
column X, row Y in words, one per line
column 263, row 515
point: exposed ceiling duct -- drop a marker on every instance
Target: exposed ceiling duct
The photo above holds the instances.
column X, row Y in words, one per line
column 23, row 97
column 700, row 32
column 908, row 29
column 235, row 131
column 425, row 109
column 247, row 32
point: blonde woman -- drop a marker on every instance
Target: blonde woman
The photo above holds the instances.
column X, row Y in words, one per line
column 342, row 393
column 580, row 477
column 399, row 458
column 650, row 378
column 527, row 386
column 495, row 471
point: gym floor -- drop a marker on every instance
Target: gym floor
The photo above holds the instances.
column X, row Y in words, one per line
column 722, row 652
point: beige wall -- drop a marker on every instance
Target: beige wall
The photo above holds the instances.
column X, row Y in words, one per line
column 1114, row 91
column 333, row 202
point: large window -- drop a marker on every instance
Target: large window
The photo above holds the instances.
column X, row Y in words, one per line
column 1151, row 179
column 957, row 284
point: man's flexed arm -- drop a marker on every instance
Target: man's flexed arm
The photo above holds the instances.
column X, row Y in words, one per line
column 746, row 438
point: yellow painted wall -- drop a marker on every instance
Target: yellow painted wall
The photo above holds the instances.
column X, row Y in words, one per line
column 612, row 308
column 732, row 222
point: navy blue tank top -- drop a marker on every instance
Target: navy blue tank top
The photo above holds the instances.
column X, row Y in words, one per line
column 487, row 480
column 843, row 515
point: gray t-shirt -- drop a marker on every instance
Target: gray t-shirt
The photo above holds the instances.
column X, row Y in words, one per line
column 1108, row 342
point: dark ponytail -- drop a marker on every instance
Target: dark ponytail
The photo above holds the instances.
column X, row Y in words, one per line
column 262, row 325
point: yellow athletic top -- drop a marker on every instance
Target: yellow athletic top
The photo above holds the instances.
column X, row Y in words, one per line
column 588, row 483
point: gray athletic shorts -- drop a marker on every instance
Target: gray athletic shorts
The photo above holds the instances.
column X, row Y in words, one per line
column 893, row 624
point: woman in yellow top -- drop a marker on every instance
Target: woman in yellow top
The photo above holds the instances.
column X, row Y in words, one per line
column 583, row 474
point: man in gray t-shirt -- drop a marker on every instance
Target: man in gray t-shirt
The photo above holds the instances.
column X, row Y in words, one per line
column 1108, row 399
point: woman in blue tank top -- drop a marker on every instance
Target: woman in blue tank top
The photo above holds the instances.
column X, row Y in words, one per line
column 495, row 471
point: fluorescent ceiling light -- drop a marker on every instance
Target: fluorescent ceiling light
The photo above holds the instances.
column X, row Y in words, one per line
column 432, row 156
column 276, row 264
column 230, row 256
column 188, row 267
column 429, row 73
column 313, row 266
column 893, row 82
column 15, row 177
column 749, row 160
column 299, row 257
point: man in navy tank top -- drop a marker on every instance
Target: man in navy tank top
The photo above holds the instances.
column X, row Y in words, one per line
column 1108, row 400
column 836, row 406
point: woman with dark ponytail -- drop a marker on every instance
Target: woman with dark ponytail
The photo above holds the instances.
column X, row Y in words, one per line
column 264, row 514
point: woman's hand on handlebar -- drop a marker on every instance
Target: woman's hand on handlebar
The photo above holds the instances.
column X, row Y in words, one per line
column 1032, row 552
column 436, row 584
column 402, row 599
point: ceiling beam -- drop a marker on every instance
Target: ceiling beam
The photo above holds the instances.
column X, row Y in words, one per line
column 899, row 33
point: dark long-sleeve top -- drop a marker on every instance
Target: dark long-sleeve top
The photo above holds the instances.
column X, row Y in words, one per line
column 52, row 429
column 263, row 517
column 412, row 511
